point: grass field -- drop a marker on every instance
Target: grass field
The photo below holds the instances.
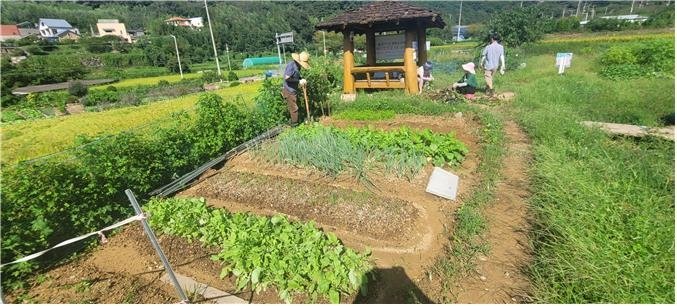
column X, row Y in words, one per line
column 173, row 78
column 604, row 206
column 31, row 139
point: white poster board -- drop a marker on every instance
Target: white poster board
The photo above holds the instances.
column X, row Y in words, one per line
column 443, row 184
column 389, row 47
column 563, row 60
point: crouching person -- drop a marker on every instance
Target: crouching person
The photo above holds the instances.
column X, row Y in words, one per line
column 468, row 83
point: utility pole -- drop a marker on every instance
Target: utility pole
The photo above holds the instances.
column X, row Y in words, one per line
column 178, row 59
column 578, row 8
column 324, row 43
column 228, row 57
column 279, row 55
column 632, row 6
column 593, row 13
column 563, row 11
column 521, row 2
column 211, row 32
column 605, row 10
column 458, row 31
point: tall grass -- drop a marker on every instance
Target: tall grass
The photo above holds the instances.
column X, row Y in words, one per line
column 604, row 206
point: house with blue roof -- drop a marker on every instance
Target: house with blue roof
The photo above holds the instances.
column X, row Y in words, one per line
column 57, row 29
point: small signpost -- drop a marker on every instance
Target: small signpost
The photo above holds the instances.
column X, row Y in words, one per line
column 563, row 60
column 281, row 39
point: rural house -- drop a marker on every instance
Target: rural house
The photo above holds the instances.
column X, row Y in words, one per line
column 9, row 31
column 135, row 34
column 195, row 22
column 57, row 29
column 113, row 27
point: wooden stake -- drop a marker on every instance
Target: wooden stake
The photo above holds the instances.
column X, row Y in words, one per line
column 305, row 95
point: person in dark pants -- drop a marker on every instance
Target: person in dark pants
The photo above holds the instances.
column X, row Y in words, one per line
column 468, row 83
column 292, row 80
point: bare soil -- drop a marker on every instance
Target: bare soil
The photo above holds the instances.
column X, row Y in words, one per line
column 359, row 212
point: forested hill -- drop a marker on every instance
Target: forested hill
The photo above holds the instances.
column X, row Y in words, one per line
column 251, row 26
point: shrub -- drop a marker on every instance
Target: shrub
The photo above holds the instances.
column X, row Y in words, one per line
column 210, row 76
column 516, row 26
column 618, row 55
column 96, row 97
column 653, row 58
column 232, row 76
column 163, row 83
column 111, row 88
column 68, row 195
column 322, row 77
column 77, row 89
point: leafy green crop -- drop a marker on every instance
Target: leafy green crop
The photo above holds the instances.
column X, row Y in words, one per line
column 332, row 150
column 439, row 148
column 259, row 251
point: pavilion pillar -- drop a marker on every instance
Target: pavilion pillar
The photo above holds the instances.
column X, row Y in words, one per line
column 410, row 80
column 348, row 64
column 371, row 48
column 422, row 52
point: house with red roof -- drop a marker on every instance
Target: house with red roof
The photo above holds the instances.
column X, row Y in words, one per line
column 9, row 31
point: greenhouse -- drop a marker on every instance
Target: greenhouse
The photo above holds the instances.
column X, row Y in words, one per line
column 248, row 62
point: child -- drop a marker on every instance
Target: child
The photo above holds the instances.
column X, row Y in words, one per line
column 468, row 83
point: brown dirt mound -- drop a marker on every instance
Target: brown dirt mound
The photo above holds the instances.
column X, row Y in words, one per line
column 356, row 211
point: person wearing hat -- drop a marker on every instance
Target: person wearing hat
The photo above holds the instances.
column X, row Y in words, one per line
column 424, row 74
column 292, row 80
column 468, row 83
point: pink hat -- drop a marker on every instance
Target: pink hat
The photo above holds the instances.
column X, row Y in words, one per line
column 469, row 67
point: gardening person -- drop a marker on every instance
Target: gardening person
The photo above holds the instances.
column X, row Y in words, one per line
column 491, row 56
column 424, row 74
column 468, row 83
column 292, row 80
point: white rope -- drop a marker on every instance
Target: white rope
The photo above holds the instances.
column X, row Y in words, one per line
column 69, row 241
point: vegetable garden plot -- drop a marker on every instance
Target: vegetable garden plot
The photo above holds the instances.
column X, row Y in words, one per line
column 256, row 182
column 359, row 212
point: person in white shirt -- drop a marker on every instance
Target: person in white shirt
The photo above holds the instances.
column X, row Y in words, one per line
column 491, row 56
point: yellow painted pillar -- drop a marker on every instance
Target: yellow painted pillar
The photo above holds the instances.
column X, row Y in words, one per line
column 348, row 64
column 371, row 48
column 422, row 52
column 410, row 80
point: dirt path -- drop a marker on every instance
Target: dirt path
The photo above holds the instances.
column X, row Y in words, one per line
column 499, row 277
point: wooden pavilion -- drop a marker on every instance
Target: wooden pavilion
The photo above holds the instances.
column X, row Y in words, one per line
column 376, row 20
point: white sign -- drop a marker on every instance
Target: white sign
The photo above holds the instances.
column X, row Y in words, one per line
column 389, row 47
column 285, row 38
column 443, row 183
column 563, row 60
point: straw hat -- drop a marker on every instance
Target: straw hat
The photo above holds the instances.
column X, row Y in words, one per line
column 469, row 67
column 302, row 59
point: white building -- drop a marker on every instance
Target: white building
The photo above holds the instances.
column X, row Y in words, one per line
column 113, row 27
column 54, row 29
column 196, row 22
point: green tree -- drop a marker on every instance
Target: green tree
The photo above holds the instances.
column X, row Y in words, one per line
column 516, row 26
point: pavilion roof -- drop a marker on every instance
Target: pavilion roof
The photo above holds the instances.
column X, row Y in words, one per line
column 381, row 16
